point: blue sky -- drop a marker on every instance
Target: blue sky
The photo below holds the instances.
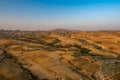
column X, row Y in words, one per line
column 69, row 14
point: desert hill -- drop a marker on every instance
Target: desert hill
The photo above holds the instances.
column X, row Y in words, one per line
column 59, row 54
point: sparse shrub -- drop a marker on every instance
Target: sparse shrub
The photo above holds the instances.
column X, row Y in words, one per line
column 81, row 51
column 77, row 54
column 77, row 46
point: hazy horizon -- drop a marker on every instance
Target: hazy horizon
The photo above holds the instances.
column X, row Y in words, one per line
column 66, row 14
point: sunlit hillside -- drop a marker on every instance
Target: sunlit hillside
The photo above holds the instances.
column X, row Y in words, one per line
column 59, row 55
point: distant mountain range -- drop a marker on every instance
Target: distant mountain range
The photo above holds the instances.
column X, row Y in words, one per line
column 65, row 30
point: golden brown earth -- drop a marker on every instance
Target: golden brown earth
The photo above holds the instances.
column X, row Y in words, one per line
column 59, row 55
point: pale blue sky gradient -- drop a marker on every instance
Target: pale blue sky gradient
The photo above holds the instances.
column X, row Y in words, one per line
column 69, row 14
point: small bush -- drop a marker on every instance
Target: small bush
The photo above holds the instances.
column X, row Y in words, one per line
column 81, row 51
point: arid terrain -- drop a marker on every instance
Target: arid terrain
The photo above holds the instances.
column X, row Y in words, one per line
column 59, row 55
